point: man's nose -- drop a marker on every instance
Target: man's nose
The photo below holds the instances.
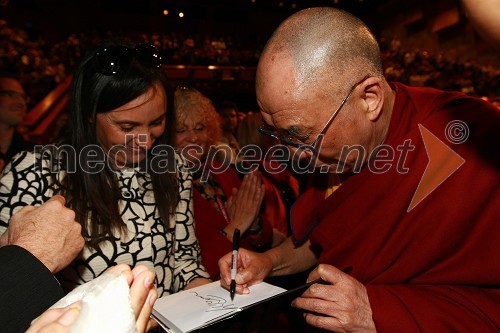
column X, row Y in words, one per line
column 300, row 154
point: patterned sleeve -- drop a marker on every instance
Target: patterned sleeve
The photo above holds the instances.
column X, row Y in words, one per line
column 23, row 182
column 187, row 250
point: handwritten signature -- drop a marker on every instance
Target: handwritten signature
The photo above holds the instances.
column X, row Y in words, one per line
column 215, row 303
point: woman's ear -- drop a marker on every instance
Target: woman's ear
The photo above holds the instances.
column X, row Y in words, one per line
column 373, row 95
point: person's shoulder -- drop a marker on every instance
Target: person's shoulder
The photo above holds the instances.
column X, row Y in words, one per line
column 21, row 142
column 23, row 160
column 38, row 160
column 427, row 97
column 430, row 101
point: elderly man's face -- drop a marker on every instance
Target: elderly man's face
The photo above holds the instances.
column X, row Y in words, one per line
column 299, row 113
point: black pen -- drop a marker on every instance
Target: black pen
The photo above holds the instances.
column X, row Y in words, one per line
column 234, row 262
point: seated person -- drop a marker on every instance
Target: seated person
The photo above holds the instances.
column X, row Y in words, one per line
column 282, row 188
column 103, row 166
column 13, row 106
column 405, row 243
column 228, row 112
column 221, row 201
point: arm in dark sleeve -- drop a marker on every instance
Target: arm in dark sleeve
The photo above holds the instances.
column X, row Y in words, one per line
column 27, row 288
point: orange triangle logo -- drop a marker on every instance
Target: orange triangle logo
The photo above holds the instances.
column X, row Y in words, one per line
column 443, row 162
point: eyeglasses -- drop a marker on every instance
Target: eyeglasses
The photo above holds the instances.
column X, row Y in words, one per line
column 111, row 60
column 15, row 95
column 294, row 142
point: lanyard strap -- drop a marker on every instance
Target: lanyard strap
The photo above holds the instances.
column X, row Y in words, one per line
column 222, row 209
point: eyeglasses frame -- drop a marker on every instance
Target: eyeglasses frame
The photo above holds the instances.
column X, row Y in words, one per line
column 305, row 146
column 15, row 95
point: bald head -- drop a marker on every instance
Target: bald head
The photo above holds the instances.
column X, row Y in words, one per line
column 321, row 62
column 323, row 44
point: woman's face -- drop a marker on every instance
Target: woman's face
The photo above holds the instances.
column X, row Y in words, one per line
column 129, row 131
column 192, row 131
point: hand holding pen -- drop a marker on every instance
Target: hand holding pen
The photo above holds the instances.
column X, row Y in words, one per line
column 253, row 268
column 234, row 262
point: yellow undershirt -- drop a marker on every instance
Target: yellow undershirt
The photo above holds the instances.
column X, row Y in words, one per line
column 331, row 189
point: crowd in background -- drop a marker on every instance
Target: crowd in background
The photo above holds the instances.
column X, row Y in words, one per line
column 421, row 68
column 41, row 65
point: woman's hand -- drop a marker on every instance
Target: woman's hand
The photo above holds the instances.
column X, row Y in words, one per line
column 56, row 320
column 244, row 205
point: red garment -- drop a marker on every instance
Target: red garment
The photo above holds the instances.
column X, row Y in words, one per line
column 280, row 186
column 208, row 222
column 436, row 267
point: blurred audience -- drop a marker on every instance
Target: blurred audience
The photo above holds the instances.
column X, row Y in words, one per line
column 42, row 65
column 229, row 115
column 420, row 68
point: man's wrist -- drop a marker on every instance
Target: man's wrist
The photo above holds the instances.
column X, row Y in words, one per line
column 40, row 254
column 274, row 260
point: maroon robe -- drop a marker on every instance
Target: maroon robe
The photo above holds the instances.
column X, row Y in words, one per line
column 435, row 268
column 282, row 189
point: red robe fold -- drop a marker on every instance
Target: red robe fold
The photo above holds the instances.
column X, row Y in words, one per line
column 282, row 189
column 436, row 267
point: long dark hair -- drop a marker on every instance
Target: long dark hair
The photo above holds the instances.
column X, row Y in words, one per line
column 95, row 197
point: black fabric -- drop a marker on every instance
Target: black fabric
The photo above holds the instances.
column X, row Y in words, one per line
column 17, row 145
column 27, row 288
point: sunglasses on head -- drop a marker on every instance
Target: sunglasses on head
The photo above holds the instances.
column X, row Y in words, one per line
column 111, row 60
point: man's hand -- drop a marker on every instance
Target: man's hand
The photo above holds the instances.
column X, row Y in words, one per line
column 49, row 232
column 340, row 306
column 253, row 268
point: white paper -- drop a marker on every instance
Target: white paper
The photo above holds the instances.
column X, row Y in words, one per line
column 194, row 308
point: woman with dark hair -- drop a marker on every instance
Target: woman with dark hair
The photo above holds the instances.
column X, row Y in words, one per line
column 132, row 208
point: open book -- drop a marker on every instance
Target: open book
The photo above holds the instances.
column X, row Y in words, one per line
column 203, row 306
